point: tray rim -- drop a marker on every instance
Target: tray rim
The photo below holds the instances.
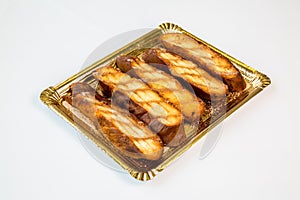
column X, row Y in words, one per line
column 52, row 99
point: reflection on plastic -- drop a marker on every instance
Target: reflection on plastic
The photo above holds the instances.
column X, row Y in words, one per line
column 99, row 155
column 211, row 141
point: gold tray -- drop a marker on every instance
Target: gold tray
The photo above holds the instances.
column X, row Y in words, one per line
column 143, row 170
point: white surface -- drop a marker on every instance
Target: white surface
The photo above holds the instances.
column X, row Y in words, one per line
column 44, row 42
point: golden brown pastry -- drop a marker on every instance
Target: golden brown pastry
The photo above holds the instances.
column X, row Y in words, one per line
column 131, row 93
column 204, row 85
column 120, row 128
column 213, row 62
column 165, row 85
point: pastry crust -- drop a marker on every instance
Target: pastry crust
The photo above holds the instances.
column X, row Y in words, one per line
column 205, row 85
column 213, row 62
column 120, row 128
column 165, row 85
column 133, row 94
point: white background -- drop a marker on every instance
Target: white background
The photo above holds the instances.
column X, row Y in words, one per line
column 43, row 42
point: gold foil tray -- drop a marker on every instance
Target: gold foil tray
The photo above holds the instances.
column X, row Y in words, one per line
column 146, row 170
